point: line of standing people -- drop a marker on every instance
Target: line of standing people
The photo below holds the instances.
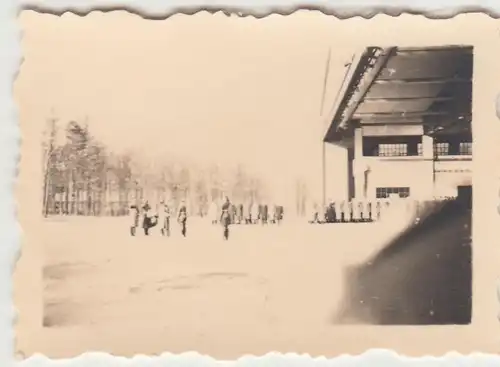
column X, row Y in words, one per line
column 251, row 213
column 347, row 211
column 147, row 218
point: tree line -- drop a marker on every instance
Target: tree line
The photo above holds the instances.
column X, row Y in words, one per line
column 82, row 176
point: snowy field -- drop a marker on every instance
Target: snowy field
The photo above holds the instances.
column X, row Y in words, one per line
column 268, row 286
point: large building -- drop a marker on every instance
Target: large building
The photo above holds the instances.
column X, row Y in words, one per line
column 404, row 116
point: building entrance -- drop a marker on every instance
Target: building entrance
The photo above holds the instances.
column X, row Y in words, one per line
column 465, row 195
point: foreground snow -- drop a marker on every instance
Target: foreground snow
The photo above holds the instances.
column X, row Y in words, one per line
column 267, row 285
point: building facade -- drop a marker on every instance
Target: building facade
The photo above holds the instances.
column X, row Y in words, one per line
column 405, row 162
column 404, row 117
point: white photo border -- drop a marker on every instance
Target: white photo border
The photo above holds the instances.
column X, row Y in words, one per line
column 10, row 140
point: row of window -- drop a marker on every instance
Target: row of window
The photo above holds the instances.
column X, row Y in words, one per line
column 386, row 192
column 444, row 149
column 440, row 149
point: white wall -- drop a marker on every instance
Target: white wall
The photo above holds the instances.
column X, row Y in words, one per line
column 425, row 178
column 450, row 174
column 417, row 174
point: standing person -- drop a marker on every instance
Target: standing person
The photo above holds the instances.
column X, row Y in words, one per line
column 254, row 213
column 378, row 210
column 272, row 214
column 134, row 216
column 333, row 209
column 369, row 211
column 330, row 212
column 213, row 211
column 225, row 217
column 350, row 211
column 248, row 213
column 264, row 214
column 149, row 219
column 313, row 213
column 343, row 211
column 182, row 217
column 355, row 210
column 234, row 214
column 240, row 214
column 164, row 218
column 279, row 214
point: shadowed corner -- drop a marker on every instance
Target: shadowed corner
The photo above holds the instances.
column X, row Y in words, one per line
column 423, row 277
column 58, row 312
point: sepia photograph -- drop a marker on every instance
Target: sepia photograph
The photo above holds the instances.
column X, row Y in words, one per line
column 234, row 185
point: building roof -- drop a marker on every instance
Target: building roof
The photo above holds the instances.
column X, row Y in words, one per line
column 429, row 86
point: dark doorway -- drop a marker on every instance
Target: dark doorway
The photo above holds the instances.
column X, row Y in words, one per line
column 465, row 195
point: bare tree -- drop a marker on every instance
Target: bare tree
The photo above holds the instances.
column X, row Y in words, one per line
column 83, row 177
column 49, row 148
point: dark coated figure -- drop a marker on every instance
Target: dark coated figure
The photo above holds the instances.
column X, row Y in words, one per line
column 279, row 214
column 225, row 218
column 134, row 214
column 149, row 219
column 182, row 218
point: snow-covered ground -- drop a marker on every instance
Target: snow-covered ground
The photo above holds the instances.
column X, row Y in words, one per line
column 268, row 287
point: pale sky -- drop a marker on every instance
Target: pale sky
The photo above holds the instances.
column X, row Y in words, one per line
column 192, row 86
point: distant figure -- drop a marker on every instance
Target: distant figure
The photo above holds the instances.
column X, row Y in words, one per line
column 314, row 213
column 225, row 217
column 213, row 213
column 134, row 216
column 182, row 217
column 331, row 215
column 378, row 210
column 232, row 213
column 342, row 209
column 356, row 207
column 367, row 216
column 350, row 211
column 240, row 214
column 248, row 213
column 264, row 214
column 279, row 213
column 149, row 220
column 254, row 213
column 272, row 214
column 164, row 218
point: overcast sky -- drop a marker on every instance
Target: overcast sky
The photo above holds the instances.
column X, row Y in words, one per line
column 195, row 86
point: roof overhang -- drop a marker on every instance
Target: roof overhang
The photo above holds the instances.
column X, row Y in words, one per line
column 393, row 86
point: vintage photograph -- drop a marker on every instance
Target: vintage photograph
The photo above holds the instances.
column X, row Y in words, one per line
column 233, row 185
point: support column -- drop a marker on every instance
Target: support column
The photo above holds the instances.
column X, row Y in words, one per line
column 427, row 147
column 359, row 174
column 358, row 143
column 428, row 155
column 350, row 173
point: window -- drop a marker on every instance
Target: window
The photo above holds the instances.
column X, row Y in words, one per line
column 392, row 150
column 441, row 149
column 465, row 148
column 420, row 149
column 390, row 146
column 386, row 192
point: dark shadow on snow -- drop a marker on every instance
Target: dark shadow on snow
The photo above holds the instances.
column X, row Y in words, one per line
column 423, row 277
